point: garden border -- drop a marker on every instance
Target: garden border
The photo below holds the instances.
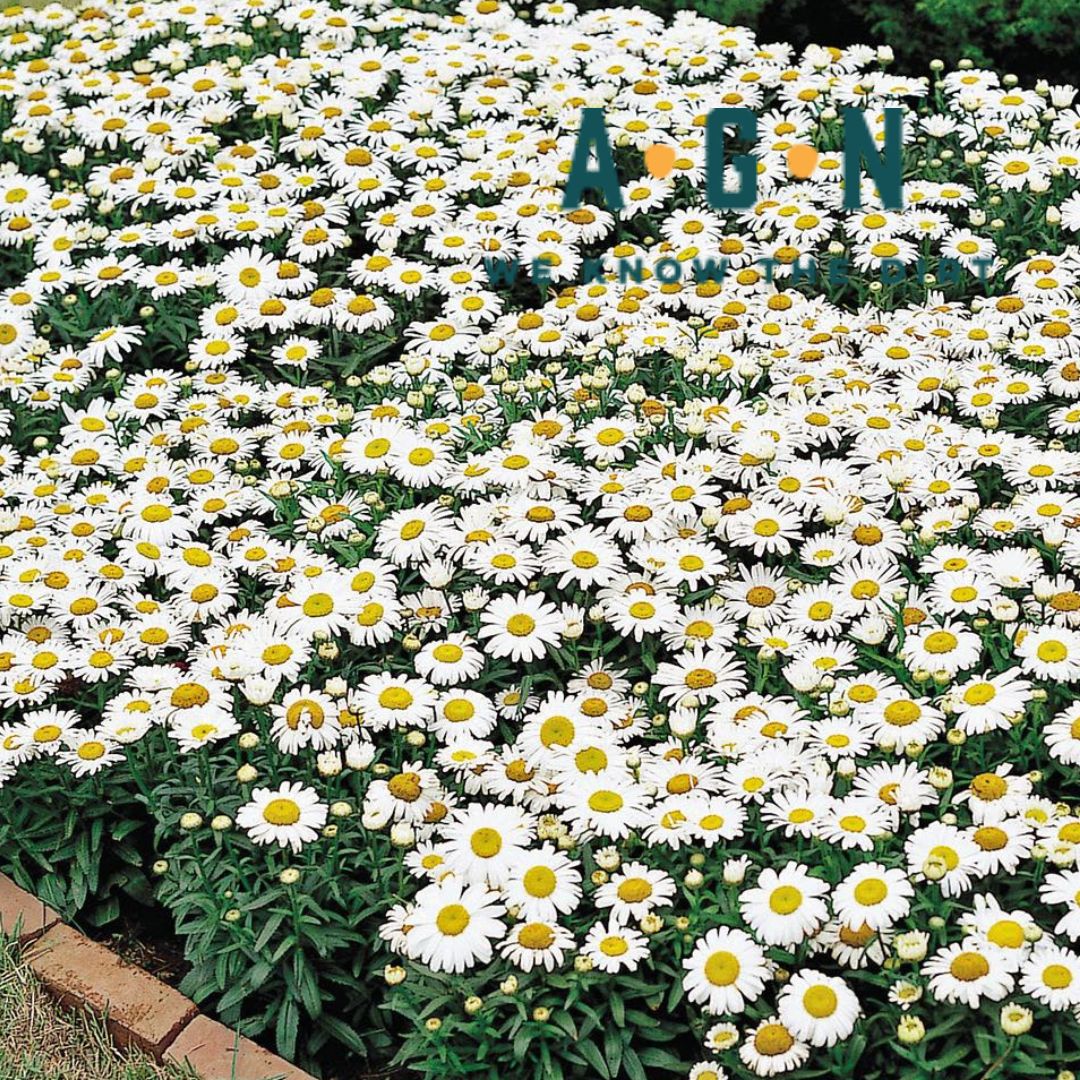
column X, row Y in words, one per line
column 138, row 1008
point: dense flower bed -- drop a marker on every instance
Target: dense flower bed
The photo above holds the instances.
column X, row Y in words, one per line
column 606, row 679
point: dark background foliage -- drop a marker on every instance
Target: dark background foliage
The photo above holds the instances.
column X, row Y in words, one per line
column 1030, row 38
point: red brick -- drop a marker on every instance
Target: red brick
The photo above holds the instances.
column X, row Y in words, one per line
column 216, row 1053
column 22, row 913
column 137, row 1008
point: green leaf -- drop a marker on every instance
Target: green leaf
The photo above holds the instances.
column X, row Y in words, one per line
column 288, row 1023
column 613, row 1049
column 618, row 1010
column 594, row 1058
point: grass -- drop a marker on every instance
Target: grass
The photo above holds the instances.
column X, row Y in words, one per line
column 40, row 1040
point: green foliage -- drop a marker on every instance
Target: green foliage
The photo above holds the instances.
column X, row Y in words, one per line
column 79, row 846
column 553, row 1026
column 1040, row 35
column 1032, row 38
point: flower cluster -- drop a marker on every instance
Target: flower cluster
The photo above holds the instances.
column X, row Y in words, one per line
column 598, row 599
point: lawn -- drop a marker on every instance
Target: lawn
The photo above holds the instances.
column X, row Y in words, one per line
column 39, row 1040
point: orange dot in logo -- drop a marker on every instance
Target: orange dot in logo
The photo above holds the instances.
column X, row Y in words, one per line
column 802, row 160
column 660, row 160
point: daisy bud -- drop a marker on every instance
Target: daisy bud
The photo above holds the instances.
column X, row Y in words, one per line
column 416, row 739
column 328, row 763
column 935, row 868
column 336, row 686
column 221, row 823
column 694, row 879
column 190, row 821
column 402, row 834
column 394, row 974
column 474, row 599
column 359, row 755
column 1005, row 609
column 1016, row 1020
column 161, row 866
column 248, row 740
column 541, row 1014
column 1053, row 536
column 258, row 690
column 247, row 774
column 955, row 737
column 912, row 946
column 682, row 721
column 583, row 963
column 608, row 858
column 651, row 923
column 735, row 870
column 910, row 1030
column 233, row 915
column 1066, row 1074
column 433, row 1024
column 373, row 820
column 914, row 749
column 289, row 876
column 509, row 985
column 846, row 768
column 1053, row 216
column 473, row 1005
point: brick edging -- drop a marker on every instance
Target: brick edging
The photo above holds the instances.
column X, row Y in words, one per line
column 138, row 1009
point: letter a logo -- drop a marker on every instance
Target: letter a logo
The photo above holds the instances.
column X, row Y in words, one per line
column 592, row 137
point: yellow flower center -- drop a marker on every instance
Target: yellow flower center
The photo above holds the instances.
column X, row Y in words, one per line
column 722, row 968
column 281, row 812
column 785, row 899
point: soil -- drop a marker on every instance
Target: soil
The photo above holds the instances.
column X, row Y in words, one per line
column 144, row 937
